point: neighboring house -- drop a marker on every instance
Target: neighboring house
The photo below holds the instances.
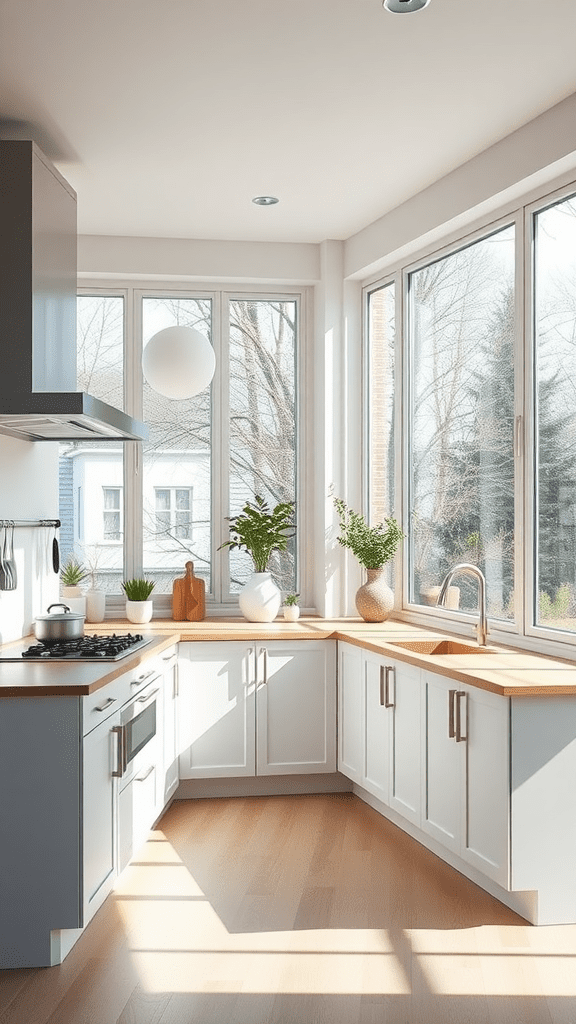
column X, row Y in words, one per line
column 176, row 502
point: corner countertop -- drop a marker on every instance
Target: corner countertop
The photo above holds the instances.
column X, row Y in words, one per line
column 507, row 671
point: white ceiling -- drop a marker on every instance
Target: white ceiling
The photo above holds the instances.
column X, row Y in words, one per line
column 168, row 116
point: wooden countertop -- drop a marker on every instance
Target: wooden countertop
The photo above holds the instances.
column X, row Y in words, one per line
column 504, row 670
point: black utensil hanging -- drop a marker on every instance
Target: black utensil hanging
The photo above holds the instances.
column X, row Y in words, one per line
column 55, row 553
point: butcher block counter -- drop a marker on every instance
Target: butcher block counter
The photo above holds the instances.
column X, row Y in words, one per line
column 507, row 671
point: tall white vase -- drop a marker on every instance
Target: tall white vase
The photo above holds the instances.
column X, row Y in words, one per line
column 260, row 598
column 95, row 605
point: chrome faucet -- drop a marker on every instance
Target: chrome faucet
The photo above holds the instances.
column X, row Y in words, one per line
column 469, row 570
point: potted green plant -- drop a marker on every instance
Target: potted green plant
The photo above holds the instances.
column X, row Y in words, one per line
column 138, row 606
column 259, row 531
column 72, row 574
column 373, row 546
column 291, row 609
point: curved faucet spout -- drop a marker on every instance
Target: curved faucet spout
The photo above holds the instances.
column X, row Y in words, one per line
column 468, row 569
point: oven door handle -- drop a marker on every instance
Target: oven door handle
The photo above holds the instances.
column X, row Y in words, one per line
column 147, row 696
column 120, row 752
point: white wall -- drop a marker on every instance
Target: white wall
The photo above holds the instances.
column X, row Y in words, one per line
column 537, row 153
column 28, row 490
column 196, row 259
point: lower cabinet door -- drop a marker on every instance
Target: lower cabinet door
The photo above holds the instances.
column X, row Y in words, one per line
column 378, row 723
column 217, row 710
column 486, row 836
column 350, row 712
column 295, row 708
column 442, row 811
column 405, row 755
column 99, row 865
column 136, row 813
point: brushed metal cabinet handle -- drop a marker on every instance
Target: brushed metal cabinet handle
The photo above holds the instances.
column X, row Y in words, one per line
column 145, row 775
column 382, row 686
column 461, row 736
column 118, row 772
column 451, row 721
column 141, row 679
column 265, row 653
column 147, row 696
column 390, row 673
column 106, row 704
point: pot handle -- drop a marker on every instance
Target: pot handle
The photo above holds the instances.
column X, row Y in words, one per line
column 58, row 604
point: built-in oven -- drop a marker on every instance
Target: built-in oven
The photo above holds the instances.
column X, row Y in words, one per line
column 138, row 727
column 138, row 768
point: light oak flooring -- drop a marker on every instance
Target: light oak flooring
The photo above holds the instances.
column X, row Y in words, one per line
column 298, row 910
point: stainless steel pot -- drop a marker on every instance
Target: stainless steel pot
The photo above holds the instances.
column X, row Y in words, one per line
column 51, row 629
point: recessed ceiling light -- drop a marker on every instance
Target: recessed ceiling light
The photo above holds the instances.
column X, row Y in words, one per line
column 404, row 6
column 265, row 200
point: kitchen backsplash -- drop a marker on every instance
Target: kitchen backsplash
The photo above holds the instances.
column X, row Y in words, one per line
column 28, row 490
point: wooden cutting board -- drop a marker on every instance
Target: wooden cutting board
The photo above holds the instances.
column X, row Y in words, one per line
column 188, row 597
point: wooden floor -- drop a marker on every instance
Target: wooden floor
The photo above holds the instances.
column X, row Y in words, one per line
column 298, row 910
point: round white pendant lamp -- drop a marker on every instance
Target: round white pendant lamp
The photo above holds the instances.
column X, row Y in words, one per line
column 178, row 362
column 404, row 6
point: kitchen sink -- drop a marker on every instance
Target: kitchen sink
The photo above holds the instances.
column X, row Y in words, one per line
column 439, row 647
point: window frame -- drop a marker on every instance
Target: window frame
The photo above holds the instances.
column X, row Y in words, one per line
column 220, row 601
column 521, row 213
column 120, row 510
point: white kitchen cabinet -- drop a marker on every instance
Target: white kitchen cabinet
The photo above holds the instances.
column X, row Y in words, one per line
column 378, row 726
column 295, row 707
column 379, row 723
column 217, row 708
column 466, row 776
column 169, row 775
column 405, row 698
column 99, row 812
column 225, row 733
column 350, row 712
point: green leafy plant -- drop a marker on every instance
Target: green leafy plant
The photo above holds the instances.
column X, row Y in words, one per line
column 291, row 599
column 72, row 572
column 373, row 546
column 260, row 531
column 138, row 590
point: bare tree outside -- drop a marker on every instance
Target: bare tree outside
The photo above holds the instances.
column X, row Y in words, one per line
column 461, row 420
column 263, row 418
column 555, row 402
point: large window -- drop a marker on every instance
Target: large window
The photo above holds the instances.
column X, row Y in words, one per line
column 461, row 422
column 204, row 457
column 555, row 415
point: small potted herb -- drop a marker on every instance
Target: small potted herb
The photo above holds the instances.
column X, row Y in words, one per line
column 373, row 546
column 260, row 530
column 72, row 575
column 291, row 609
column 138, row 606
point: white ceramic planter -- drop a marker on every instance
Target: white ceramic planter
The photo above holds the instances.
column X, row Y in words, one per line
column 74, row 598
column 291, row 612
column 139, row 611
column 95, row 605
column 260, row 598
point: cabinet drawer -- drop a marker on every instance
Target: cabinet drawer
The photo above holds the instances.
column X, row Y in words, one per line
column 98, row 706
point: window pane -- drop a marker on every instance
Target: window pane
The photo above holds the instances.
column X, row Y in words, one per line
column 462, row 423
column 177, row 456
column 381, row 335
column 555, row 403
column 86, row 470
column 262, row 419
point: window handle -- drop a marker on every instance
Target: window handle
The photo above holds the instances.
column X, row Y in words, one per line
column 518, row 436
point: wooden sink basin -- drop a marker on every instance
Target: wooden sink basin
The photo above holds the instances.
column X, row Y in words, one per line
column 439, row 647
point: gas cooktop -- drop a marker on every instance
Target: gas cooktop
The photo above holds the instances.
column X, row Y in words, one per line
column 86, row 648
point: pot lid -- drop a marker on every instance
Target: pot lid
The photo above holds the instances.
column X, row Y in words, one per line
column 65, row 616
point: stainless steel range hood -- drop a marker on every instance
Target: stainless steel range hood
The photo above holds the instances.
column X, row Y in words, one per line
column 38, row 400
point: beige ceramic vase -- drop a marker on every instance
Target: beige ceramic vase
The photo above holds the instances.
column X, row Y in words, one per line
column 375, row 599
